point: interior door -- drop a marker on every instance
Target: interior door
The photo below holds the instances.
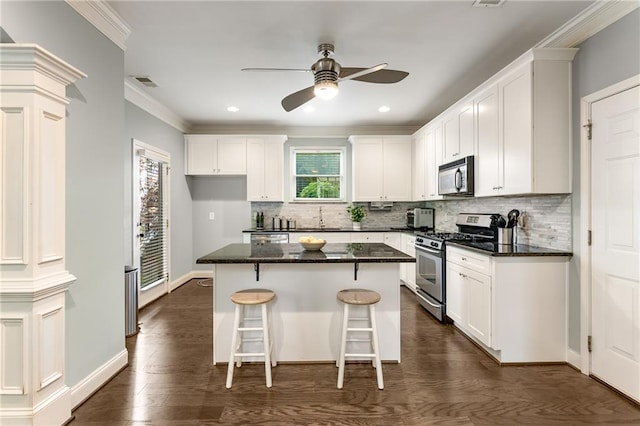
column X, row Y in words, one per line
column 615, row 252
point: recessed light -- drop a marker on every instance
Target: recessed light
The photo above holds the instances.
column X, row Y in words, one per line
column 233, row 109
column 309, row 108
column 384, row 108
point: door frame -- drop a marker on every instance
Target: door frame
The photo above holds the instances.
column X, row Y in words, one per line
column 156, row 291
column 585, row 212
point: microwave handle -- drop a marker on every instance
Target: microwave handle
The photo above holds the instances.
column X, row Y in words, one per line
column 458, row 180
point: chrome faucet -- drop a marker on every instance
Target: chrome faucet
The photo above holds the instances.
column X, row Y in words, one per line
column 320, row 220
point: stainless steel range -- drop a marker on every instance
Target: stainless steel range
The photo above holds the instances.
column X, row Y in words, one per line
column 431, row 258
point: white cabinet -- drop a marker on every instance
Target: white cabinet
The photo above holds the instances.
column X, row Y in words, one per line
column 458, row 131
column 514, row 306
column 265, row 168
column 381, row 168
column 419, row 148
column 469, row 293
column 329, row 237
column 393, row 239
column 215, row 155
column 367, row 237
column 523, row 143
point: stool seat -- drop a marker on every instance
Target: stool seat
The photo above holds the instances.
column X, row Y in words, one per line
column 253, row 296
column 251, row 299
column 357, row 296
column 367, row 299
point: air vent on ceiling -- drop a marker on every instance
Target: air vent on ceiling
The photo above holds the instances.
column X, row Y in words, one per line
column 487, row 3
column 145, row 80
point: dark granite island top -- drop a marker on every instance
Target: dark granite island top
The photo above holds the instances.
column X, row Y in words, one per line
column 295, row 253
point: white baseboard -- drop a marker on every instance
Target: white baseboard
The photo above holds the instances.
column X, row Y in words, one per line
column 94, row 381
column 574, row 359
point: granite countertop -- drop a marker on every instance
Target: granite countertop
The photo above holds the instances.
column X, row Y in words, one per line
column 294, row 253
column 499, row 250
column 318, row 230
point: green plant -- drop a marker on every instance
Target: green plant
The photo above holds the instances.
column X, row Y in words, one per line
column 357, row 213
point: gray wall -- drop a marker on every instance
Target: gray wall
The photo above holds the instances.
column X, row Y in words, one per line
column 226, row 198
column 608, row 57
column 146, row 128
column 94, row 176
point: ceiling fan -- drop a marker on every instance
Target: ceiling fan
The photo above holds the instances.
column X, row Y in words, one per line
column 328, row 73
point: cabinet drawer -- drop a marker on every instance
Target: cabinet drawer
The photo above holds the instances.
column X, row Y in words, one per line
column 468, row 259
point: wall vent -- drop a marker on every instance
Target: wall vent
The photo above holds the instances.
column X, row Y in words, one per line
column 145, row 80
column 487, row 3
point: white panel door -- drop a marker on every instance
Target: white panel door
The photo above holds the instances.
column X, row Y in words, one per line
column 487, row 143
column 397, row 169
column 615, row 221
column 368, row 174
column 256, row 169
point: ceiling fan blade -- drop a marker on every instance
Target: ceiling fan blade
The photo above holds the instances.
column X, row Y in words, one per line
column 276, row 69
column 298, row 98
column 381, row 76
column 359, row 72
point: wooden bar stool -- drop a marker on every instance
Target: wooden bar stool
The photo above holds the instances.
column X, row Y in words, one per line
column 241, row 322
column 368, row 298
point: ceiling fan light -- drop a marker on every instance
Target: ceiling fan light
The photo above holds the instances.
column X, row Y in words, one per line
column 326, row 90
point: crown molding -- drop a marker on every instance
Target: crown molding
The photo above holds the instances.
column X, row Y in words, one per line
column 590, row 21
column 104, row 18
column 141, row 99
column 306, row 131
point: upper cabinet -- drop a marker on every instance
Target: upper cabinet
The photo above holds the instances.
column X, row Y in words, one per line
column 382, row 168
column 523, row 143
column 265, row 168
column 458, row 131
column 427, row 156
column 216, row 155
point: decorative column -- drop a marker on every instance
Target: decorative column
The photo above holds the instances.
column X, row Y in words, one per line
column 33, row 277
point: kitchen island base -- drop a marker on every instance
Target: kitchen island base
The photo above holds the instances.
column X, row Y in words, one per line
column 306, row 315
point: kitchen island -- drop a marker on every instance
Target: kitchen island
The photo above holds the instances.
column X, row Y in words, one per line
column 306, row 316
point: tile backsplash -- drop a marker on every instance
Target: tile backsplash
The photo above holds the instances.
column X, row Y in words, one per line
column 546, row 219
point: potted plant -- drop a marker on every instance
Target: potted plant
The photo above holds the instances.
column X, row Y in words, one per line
column 356, row 213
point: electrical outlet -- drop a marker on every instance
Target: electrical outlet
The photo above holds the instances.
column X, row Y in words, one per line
column 212, row 215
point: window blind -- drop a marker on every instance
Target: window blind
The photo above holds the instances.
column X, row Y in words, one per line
column 153, row 223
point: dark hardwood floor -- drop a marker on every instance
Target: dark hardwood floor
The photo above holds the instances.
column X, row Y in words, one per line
column 443, row 379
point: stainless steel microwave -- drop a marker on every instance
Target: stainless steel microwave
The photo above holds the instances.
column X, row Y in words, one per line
column 456, row 177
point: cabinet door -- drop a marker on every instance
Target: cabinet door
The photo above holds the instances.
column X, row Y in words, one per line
column 434, row 159
column 255, row 169
column 201, row 154
column 410, row 249
column 487, row 178
column 368, row 160
column 397, row 169
column 515, row 93
column 419, row 145
column 456, row 294
column 273, row 170
column 478, row 299
column 367, row 237
column 450, row 143
column 465, row 130
column 232, row 155
column 393, row 239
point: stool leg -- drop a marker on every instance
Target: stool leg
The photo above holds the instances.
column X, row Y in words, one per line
column 240, row 336
column 234, row 339
column 343, row 346
column 269, row 317
column 376, row 349
column 265, row 339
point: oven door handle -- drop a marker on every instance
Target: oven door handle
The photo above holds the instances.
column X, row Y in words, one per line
column 429, row 302
column 428, row 250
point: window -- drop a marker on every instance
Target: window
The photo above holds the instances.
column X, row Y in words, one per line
column 318, row 174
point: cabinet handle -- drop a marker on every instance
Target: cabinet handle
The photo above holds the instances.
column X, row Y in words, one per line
column 463, row 259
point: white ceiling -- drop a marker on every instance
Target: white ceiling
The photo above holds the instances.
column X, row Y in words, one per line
column 194, row 52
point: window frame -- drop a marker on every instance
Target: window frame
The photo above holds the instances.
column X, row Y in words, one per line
column 317, row 150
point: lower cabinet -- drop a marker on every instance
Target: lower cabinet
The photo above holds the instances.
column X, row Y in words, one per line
column 408, row 270
column 513, row 306
column 469, row 301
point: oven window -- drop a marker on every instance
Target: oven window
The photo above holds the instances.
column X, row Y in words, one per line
column 427, row 268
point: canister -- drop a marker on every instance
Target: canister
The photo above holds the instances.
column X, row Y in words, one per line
column 505, row 236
